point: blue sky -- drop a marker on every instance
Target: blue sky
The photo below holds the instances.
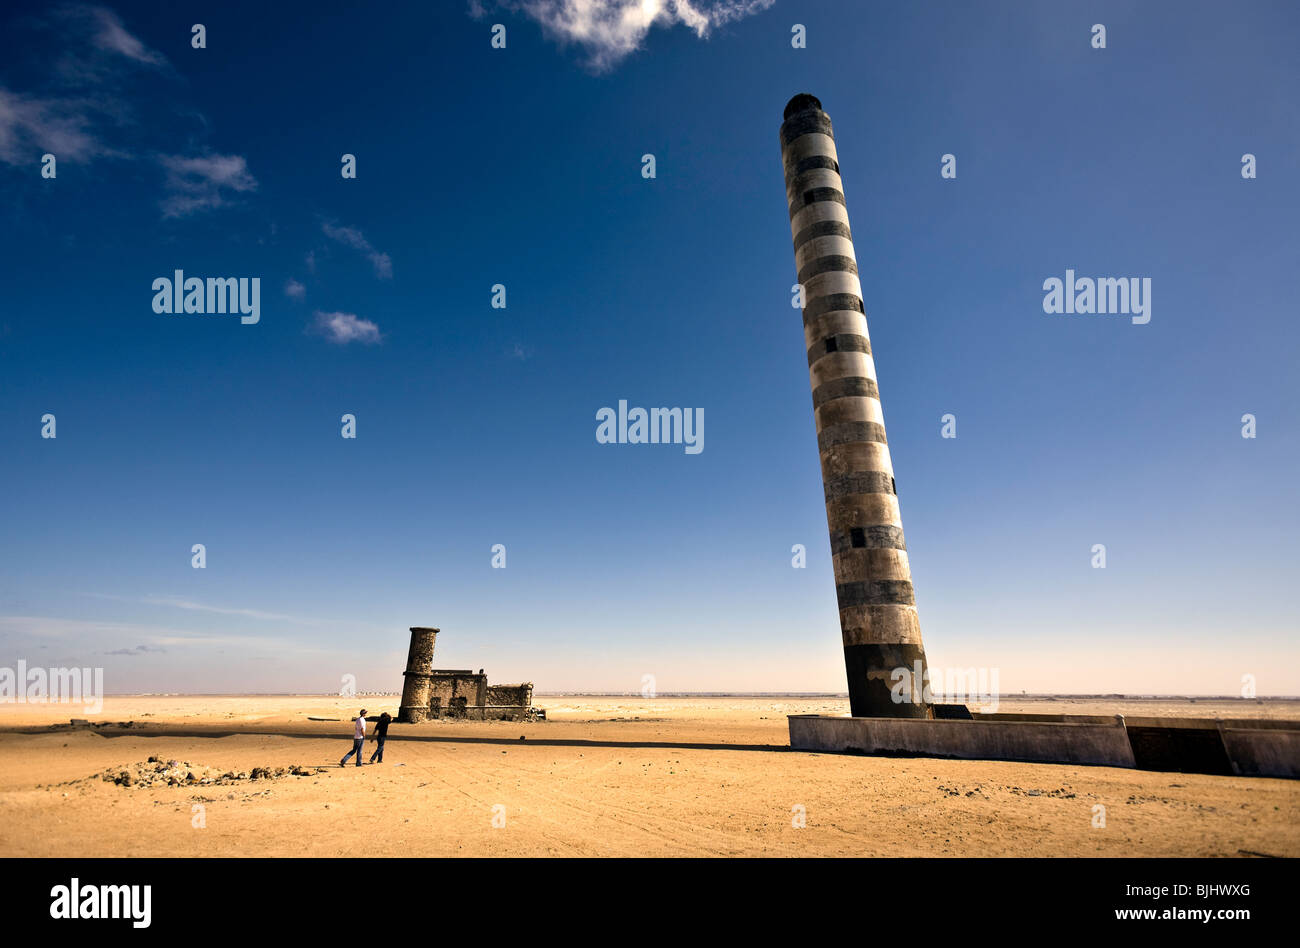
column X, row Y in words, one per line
column 476, row 426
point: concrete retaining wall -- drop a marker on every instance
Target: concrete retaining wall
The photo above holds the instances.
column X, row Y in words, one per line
column 1263, row 752
column 1263, row 748
column 1046, row 742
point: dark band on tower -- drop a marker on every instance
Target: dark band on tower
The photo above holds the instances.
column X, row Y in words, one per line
column 873, row 580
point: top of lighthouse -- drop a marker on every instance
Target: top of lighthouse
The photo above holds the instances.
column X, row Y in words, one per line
column 800, row 103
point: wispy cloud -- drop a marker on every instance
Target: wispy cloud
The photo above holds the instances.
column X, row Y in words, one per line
column 294, row 290
column 190, row 605
column 31, row 126
column 610, row 30
column 85, row 105
column 138, row 650
column 82, row 636
column 83, row 99
column 98, row 48
column 342, row 328
column 111, row 35
column 351, row 237
column 201, row 183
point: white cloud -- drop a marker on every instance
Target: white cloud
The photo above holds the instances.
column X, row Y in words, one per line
column 83, row 120
column 343, row 328
column 90, row 102
column 294, row 290
column 200, row 183
column 30, row 126
column 610, row 30
column 351, row 237
column 98, row 48
column 111, row 35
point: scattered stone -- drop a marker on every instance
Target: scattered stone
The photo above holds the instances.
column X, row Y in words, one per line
column 156, row 772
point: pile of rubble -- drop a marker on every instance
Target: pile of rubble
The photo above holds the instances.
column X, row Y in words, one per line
column 156, row 772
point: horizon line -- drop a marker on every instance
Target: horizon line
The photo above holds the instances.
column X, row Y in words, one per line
column 680, row 694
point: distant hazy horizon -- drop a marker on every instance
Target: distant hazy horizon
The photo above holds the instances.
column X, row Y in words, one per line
column 542, row 693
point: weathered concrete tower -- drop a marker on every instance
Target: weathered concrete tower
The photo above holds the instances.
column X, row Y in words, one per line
column 873, row 581
column 418, row 675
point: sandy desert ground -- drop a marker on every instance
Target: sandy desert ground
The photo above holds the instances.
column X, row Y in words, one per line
column 604, row 776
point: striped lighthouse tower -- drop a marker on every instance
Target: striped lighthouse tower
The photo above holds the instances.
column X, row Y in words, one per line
column 873, row 581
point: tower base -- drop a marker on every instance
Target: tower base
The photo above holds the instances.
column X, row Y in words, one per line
column 876, row 689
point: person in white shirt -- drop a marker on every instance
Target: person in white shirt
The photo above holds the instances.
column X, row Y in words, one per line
column 358, row 738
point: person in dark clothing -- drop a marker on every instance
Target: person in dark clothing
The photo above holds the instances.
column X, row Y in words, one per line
column 381, row 732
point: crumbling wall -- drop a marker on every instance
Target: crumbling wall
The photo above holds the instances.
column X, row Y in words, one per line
column 512, row 695
column 450, row 693
column 464, row 695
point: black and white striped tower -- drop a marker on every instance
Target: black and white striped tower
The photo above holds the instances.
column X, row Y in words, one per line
column 873, row 581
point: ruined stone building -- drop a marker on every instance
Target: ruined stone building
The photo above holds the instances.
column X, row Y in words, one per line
column 430, row 692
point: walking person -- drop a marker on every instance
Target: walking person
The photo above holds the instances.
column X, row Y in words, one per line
column 358, row 738
column 381, row 733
